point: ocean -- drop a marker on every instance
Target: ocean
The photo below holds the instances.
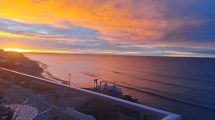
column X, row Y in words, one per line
column 184, row 86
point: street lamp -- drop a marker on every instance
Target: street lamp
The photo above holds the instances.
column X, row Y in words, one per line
column 69, row 79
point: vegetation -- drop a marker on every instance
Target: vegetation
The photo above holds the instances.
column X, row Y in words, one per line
column 18, row 62
column 11, row 60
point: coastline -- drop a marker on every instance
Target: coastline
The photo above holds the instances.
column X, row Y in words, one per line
column 20, row 63
column 45, row 73
column 31, row 67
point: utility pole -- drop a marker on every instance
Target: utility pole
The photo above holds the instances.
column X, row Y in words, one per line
column 69, row 79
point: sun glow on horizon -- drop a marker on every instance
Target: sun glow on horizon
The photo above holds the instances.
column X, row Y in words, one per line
column 34, row 51
column 16, row 50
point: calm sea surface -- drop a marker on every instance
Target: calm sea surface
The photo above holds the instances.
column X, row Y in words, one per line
column 184, row 86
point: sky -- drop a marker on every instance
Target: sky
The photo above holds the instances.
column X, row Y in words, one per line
column 116, row 27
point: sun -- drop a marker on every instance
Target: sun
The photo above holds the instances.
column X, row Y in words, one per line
column 16, row 50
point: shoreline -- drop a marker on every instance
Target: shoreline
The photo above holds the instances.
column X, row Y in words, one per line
column 20, row 63
column 45, row 72
column 36, row 68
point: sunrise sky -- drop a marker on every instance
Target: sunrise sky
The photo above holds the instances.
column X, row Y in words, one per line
column 127, row 27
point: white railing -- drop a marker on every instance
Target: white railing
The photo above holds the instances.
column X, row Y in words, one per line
column 138, row 107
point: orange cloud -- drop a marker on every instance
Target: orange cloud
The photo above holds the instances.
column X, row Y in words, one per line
column 114, row 19
column 141, row 25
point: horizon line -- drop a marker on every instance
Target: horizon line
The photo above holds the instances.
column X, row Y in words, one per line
column 97, row 54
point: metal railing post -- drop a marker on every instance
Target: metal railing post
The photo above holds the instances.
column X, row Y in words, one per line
column 1, row 82
column 61, row 91
column 11, row 84
column 30, row 84
column 12, row 81
column 141, row 116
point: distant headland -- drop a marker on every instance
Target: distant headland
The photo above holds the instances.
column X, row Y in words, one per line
column 18, row 62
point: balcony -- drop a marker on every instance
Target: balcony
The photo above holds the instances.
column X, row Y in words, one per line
column 55, row 100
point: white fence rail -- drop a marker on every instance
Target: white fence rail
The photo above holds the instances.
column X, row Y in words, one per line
column 138, row 107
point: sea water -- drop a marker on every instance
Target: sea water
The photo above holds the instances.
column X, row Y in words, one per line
column 184, row 86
